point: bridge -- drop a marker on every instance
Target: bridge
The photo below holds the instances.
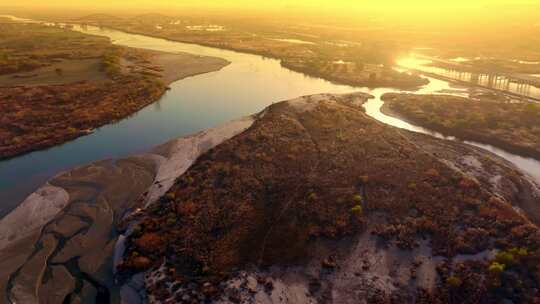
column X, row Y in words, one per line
column 515, row 84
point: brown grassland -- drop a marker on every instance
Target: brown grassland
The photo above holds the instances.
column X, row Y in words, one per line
column 298, row 176
column 57, row 84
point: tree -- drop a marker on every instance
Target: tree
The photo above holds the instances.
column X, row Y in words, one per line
column 496, row 268
column 59, row 71
column 454, row 281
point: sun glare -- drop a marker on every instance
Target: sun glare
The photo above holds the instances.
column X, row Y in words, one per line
column 412, row 62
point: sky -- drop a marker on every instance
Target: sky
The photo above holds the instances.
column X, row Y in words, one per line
column 350, row 11
column 397, row 5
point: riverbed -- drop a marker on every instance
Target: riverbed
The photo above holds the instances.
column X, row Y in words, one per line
column 246, row 86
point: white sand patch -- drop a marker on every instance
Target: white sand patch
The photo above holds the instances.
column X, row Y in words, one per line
column 34, row 212
column 184, row 151
column 302, row 104
column 294, row 41
column 308, row 103
column 471, row 161
column 496, row 181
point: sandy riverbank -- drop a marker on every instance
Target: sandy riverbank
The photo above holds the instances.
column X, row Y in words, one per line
column 78, row 213
column 177, row 66
column 55, row 110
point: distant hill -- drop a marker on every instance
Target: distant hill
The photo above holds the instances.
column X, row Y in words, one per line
column 153, row 18
column 150, row 18
column 99, row 18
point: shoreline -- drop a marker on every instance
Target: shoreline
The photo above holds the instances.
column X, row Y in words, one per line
column 314, row 74
column 86, row 226
column 181, row 65
column 270, row 56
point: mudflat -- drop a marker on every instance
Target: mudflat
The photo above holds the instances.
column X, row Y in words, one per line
column 70, row 222
column 181, row 65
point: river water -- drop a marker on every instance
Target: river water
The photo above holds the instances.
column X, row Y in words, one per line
column 246, row 86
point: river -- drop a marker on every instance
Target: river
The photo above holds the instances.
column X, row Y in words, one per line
column 246, row 86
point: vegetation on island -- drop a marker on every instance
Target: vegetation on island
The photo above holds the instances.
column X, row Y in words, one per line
column 26, row 47
column 367, row 63
column 510, row 125
column 266, row 196
column 61, row 105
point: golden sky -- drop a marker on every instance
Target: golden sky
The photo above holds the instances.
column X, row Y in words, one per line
column 273, row 4
column 418, row 12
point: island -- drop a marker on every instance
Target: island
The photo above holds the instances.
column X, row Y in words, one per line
column 310, row 200
column 486, row 118
column 57, row 84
